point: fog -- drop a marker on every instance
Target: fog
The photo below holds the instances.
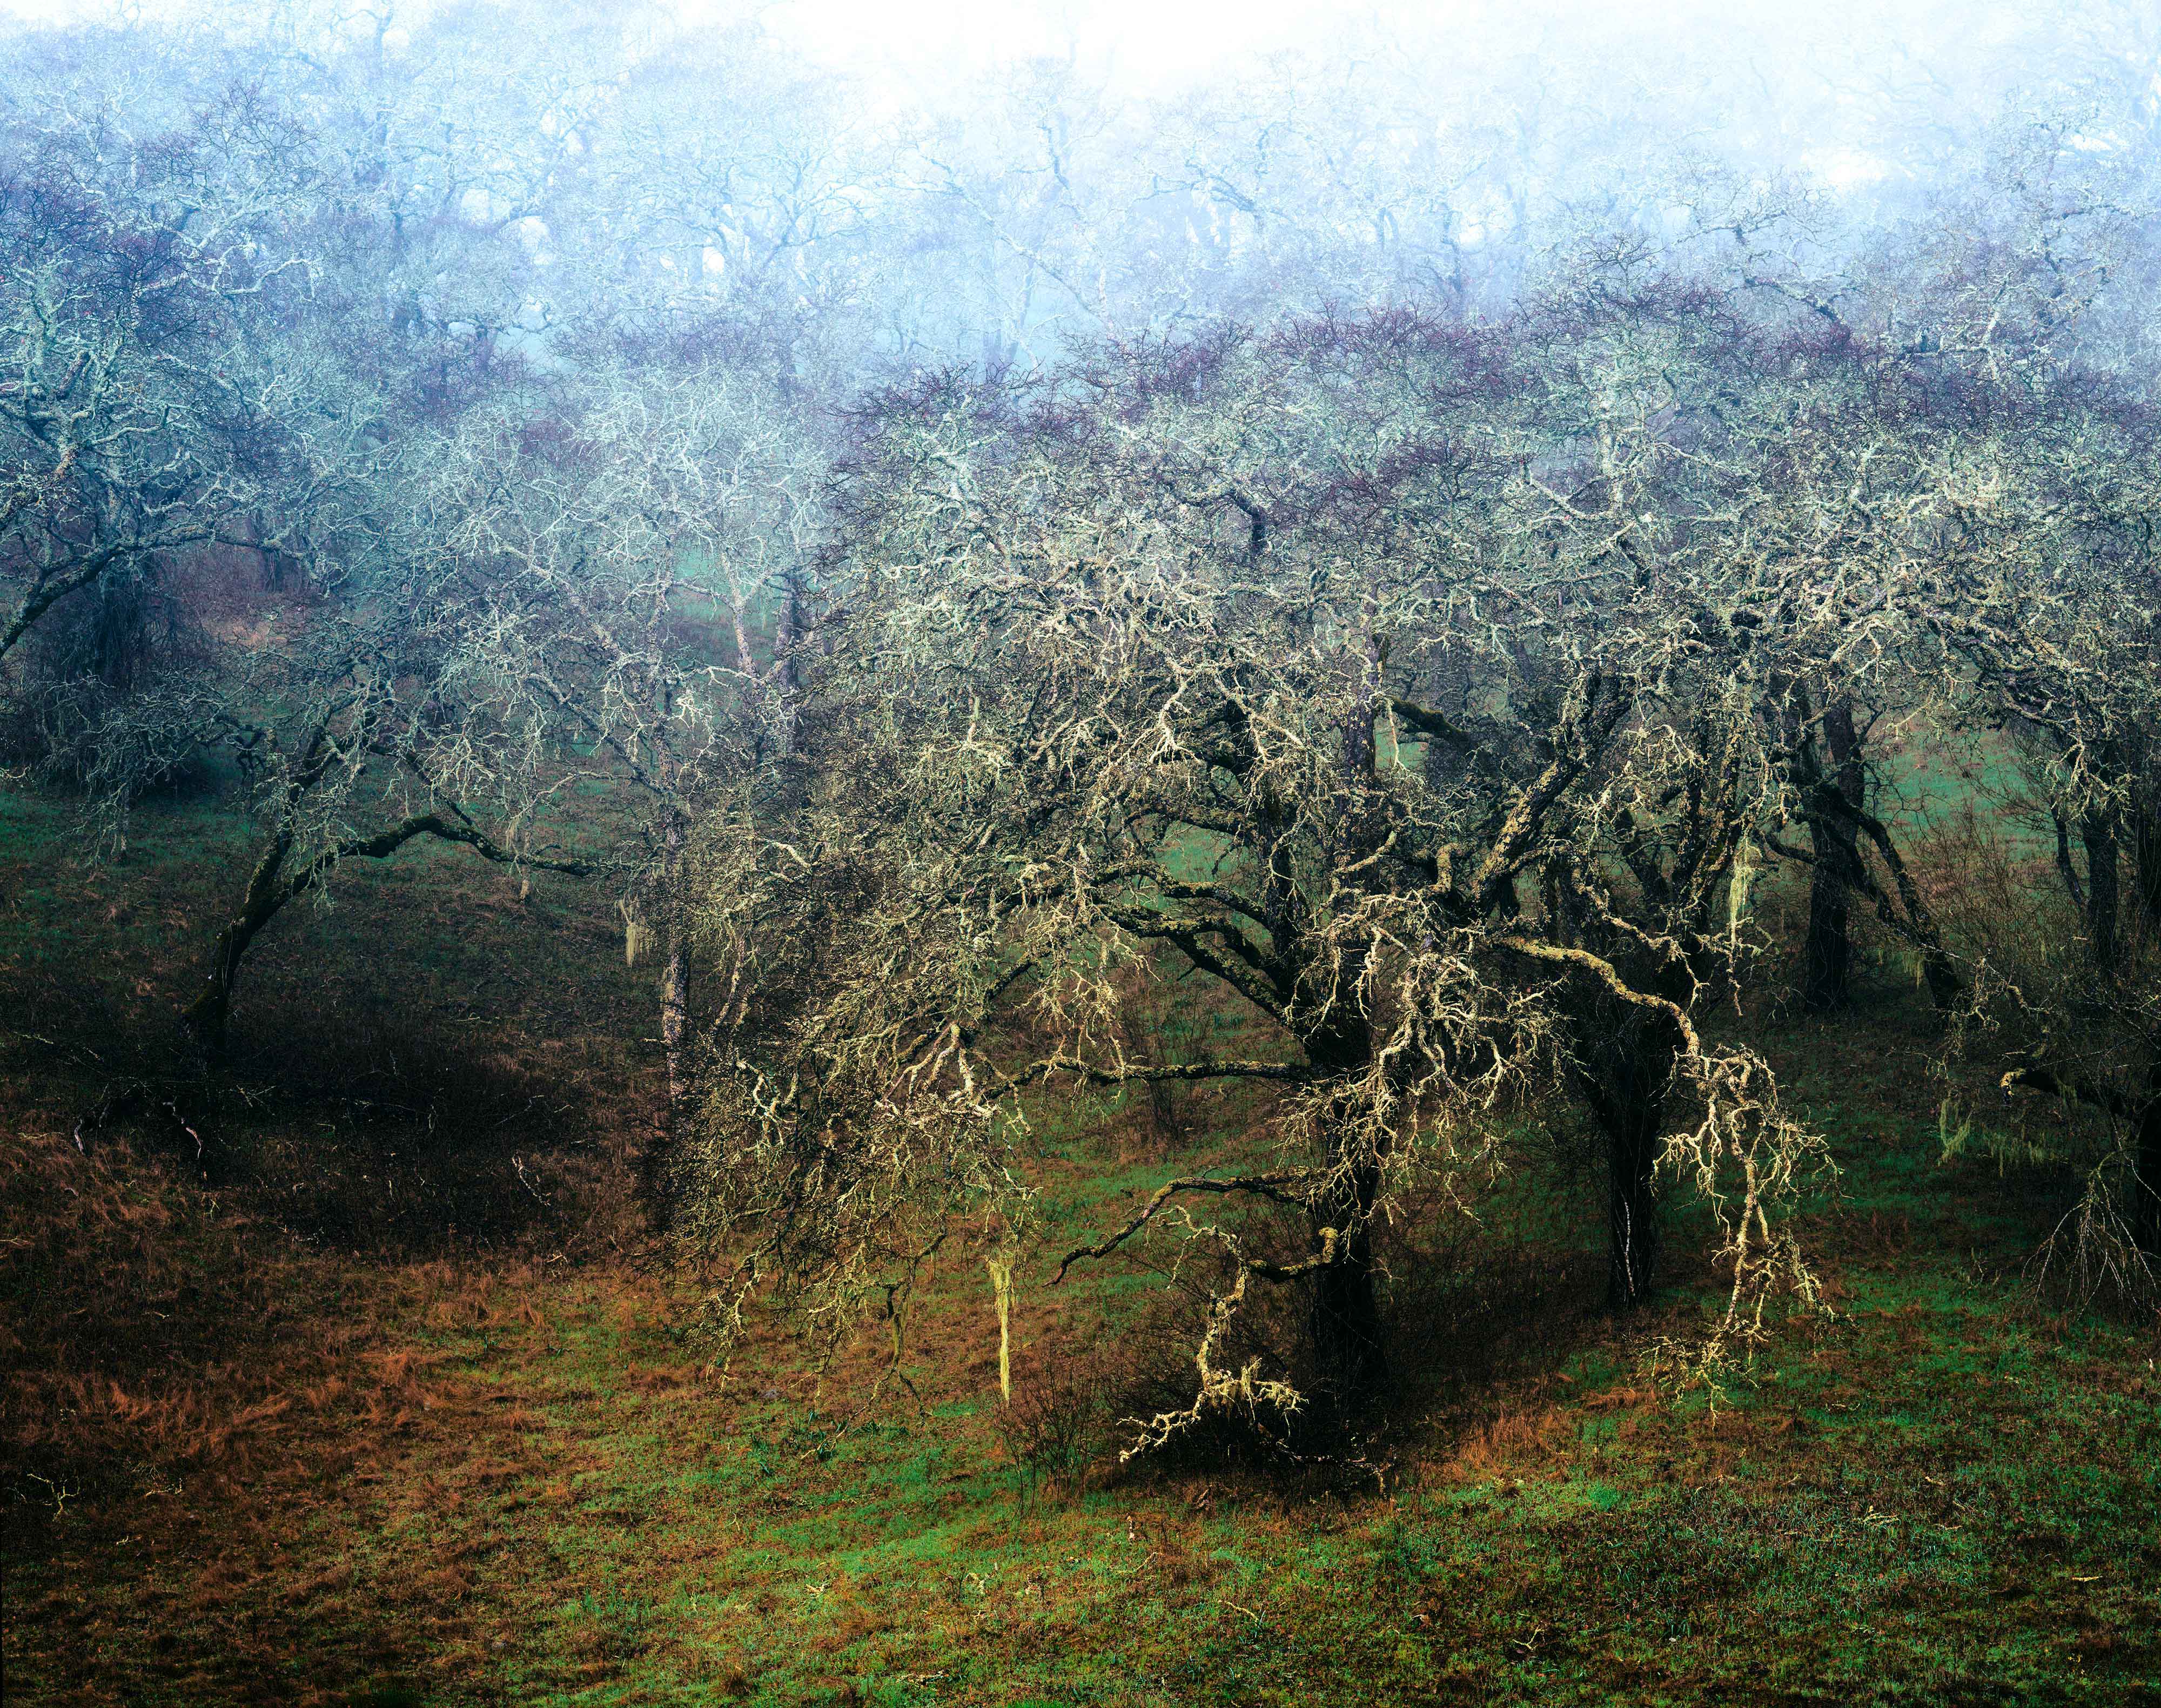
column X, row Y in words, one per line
column 988, row 182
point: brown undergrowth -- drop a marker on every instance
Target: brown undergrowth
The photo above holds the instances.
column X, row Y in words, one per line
column 179, row 1300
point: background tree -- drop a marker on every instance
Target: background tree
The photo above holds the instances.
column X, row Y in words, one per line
column 142, row 411
column 637, row 560
column 2043, row 619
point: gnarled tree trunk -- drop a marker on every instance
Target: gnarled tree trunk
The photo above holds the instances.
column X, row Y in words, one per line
column 208, row 1014
column 2146, row 1213
column 2104, row 893
column 1346, row 1313
column 1346, row 1319
column 1834, row 834
column 674, row 972
column 1625, row 1078
column 2146, row 863
column 2145, row 1206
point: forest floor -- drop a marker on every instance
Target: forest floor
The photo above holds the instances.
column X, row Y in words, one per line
column 348, row 1383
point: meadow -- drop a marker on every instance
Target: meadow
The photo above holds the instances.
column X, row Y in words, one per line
column 355, row 1380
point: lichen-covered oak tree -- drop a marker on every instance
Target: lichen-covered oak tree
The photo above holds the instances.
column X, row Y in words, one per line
column 144, row 282
column 1352, row 669
column 2044, row 622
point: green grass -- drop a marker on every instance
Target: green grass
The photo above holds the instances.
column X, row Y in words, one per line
column 511, row 1479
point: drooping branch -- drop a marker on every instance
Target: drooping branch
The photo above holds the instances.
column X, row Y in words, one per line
column 2076, row 1087
column 1606, row 975
column 272, row 888
column 1268, row 1185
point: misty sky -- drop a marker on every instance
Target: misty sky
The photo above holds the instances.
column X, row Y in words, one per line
column 921, row 45
column 1149, row 43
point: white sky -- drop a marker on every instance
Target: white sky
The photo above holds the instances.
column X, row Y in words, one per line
column 1152, row 40
column 1154, row 44
column 1145, row 42
column 922, row 52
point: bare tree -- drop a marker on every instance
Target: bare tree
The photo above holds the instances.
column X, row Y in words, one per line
column 636, row 559
column 1137, row 663
column 144, row 279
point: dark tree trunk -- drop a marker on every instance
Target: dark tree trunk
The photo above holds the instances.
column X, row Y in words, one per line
column 1626, row 1081
column 1834, row 831
column 2146, row 1212
column 1632, row 1132
column 657, row 1158
column 208, row 1014
column 1346, row 1322
column 675, row 975
column 1826, row 968
column 274, row 884
column 2104, row 893
column 2146, row 858
column 2145, row 1206
column 675, row 948
column 1346, row 1313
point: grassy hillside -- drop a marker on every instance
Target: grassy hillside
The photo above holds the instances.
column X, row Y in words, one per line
column 348, row 1384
